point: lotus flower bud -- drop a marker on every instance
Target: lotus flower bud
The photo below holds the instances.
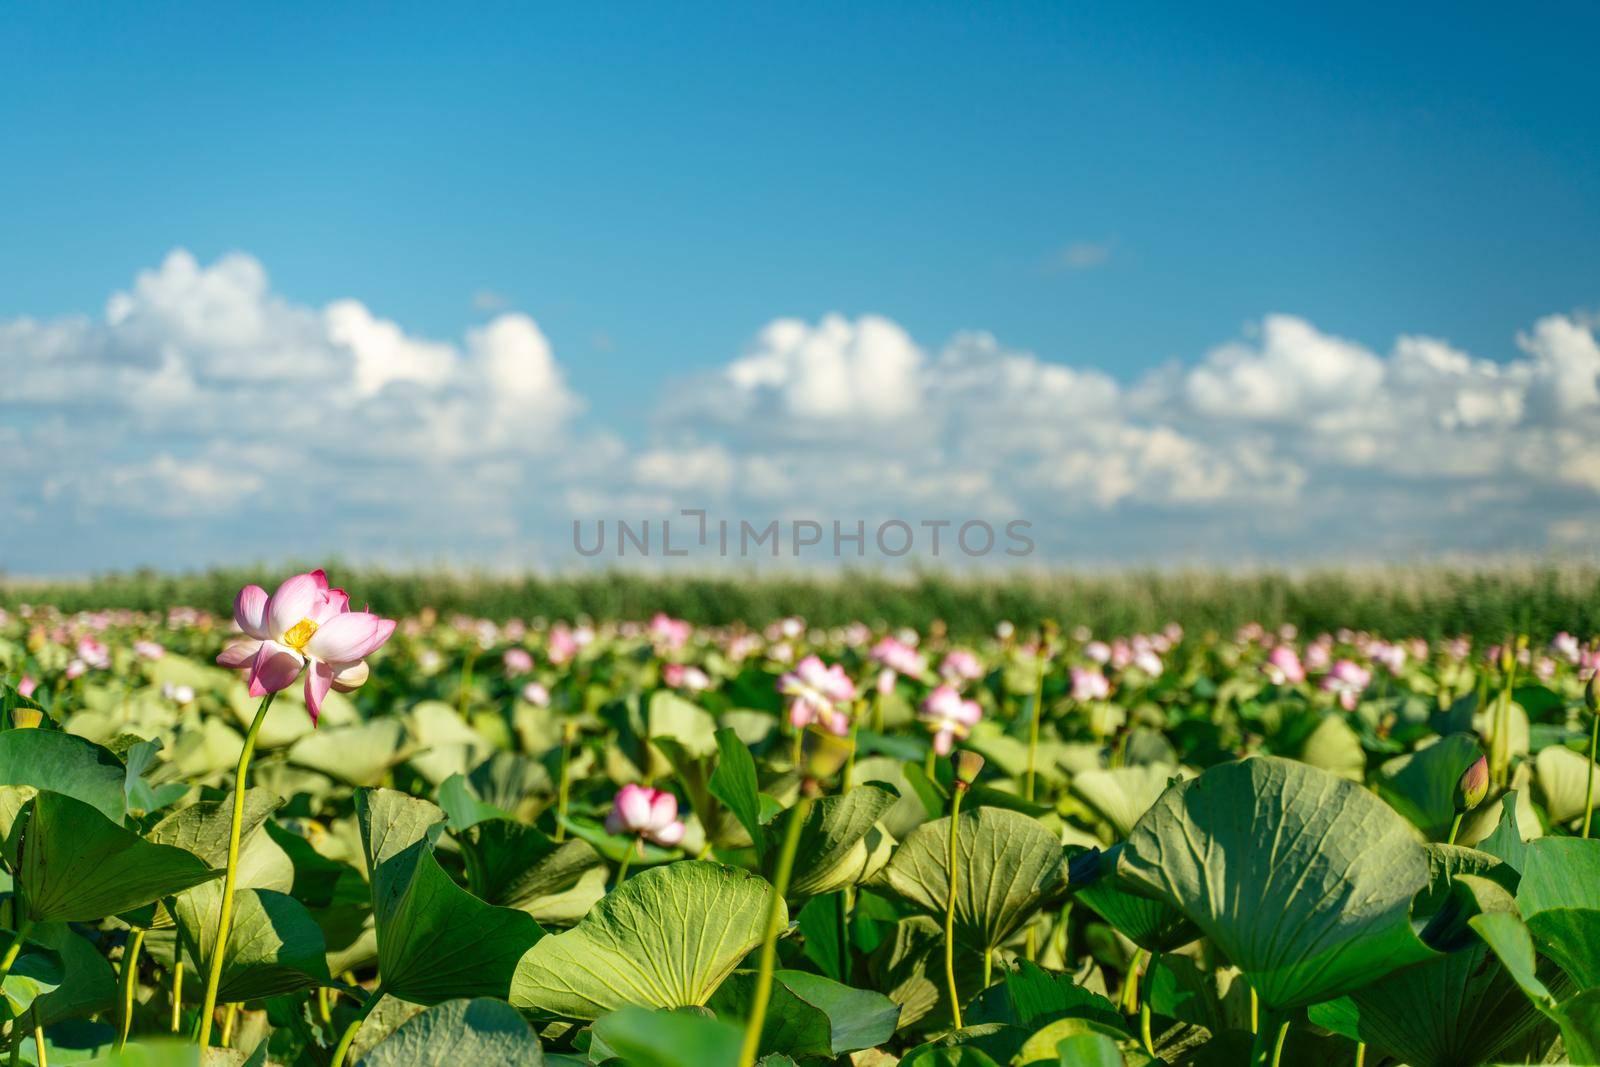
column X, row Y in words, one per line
column 1591, row 692
column 968, row 764
column 1473, row 785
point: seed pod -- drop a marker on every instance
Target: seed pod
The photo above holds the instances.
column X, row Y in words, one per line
column 968, row 764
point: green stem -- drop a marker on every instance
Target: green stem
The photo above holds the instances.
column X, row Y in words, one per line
column 563, row 790
column 1588, row 790
column 928, row 762
column 465, row 691
column 350, row 1031
column 1033, row 724
column 954, row 862
column 15, row 948
column 1267, row 1048
column 177, row 996
column 799, row 746
column 228, row 1019
column 1361, row 1053
column 1144, row 1007
column 219, row 948
column 1455, row 828
column 988, row 966
column 627, row 859
column 38, row 1041
column 769, row 944
column 130, row 982
column 849, row 761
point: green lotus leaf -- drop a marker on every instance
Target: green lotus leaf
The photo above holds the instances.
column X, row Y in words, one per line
column 515, row 865
column 1302, row 879
column 1010, row 866
column 480, row 1031
column 734, row 784
column 1153, row 925
column 810, row 1015
column 79, row 866
column 358, row 755
column 671, row 716
column 639, row 1037
column 1562, row 778
column 1334, row 747
column 1031, row 996
column 88, row 985
column 841, row 843
column 665, row 938
column 436, row 941
column 1123, row 794
column 31, row 760
column 37, row 970
column 1421, row 785
column 274, row 946
column 1559, row 898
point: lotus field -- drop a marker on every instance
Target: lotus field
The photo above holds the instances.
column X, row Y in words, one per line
column 302, row 832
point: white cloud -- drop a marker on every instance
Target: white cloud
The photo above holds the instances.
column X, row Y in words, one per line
column 836, row 369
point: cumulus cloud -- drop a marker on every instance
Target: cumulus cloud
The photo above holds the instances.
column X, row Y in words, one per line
column 202, row 416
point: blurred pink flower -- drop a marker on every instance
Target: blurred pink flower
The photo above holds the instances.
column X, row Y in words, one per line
column 669, row 633
column 517, row 662
column 26, row 686
column 148, row 650
column 900, row 657
column 648, row 813
column 949, row 716
column 684, row 676
column 1089, row 684
column 536, row 694
column 303, row 622
column 1283, row 666
column 818, row 692
column 959, row 665
column 1347, row 680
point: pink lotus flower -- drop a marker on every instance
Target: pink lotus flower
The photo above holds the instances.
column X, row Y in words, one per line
column 536, row 694
column 303, row 622
column 647, row 813
column 818, row 692
column 1347, row 680
column 668, row 632
column 900, row 657
column 959, row 665
column 26, row 686
column 561, row 645
column 1566, row 647
column 1098, row 651
column 1283, row 666
column 685, row 676
column 1089, row 684
column 517, row 662
column 949, row 716
column 148, row 650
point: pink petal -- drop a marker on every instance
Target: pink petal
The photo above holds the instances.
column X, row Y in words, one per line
column 941, row 742
column 343, row 638
column 348, row 679
column 634, row 804
column 275, row 668
column 334, row 602
column 663, row 811
column 250, row 611
column 239, row 654
column 295, row 599
column 668, row 835
column 319, row 679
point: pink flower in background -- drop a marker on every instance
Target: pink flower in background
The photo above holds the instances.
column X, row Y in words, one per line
column 669, row 633
column 76, row 669
column 900, row 657
column 1089, row 684
column 684, row 676
column 561, row 645
column 1565, row 646
column 648, row 813
column 536, row 694
column 148, row 650
column 1283, row 666
column 517, row 662
column 1098, row 651
column 93, row 653
column 818, row 692
column 1347, row 680
column 959, row 665
column 303, row 622
column 26, row 686
column 949, row 716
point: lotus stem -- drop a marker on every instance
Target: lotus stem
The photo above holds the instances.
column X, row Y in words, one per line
column 130, row 982
column 1361, row 1053
column 1588, row 789
column 13, row 950
column 954, row 856
column 988, row 966
column 38, row 1041
column 465, row 690
column 1455, row 828
column 349, row 1036
column 1033, row 723
column 1144, row 1026
column 799, row 746
column 228, row 1018
column 627, row 860
column 563, row 789
column 769, row 944
column 1268, row 1046
column 929, row 762
column 1255, row 1012
column 177, row 996
column 219, row 948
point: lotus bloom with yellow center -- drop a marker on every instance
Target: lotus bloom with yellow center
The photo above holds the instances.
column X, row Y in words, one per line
column 304, row 622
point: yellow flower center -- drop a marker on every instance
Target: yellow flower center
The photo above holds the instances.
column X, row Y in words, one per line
column 299, row 634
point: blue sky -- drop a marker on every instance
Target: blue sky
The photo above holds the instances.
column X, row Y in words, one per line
column 1105, row 190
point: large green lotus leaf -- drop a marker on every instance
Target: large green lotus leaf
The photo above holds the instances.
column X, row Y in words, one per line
column 639, row 1037
column 204, row 828
column 1505, row 841
column 446, row 743
column 78, row 866
column 665, row 938
column 36, row 971
column 908, row 812
column 1123, row 794
column 436, row 941
column 1462, row 1007
column 506, row 780
column 1561, row 777
column 385, row 1017
column 275, row 945
column 841, row 843
column 908, row 966
column 1421, row 785
column 1010, row 866
column 733, row 783
column 691, row 726
column 1031, row 996
column 1302, row 879
column 1559, row 898
column 62, row 763
column 480, row 1031
column 1074, row 1041
column 1153, row 925
column 810, row 1015
column 357, row 755
column 515, row 865
column 1578, row 1017
column 88, row 986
